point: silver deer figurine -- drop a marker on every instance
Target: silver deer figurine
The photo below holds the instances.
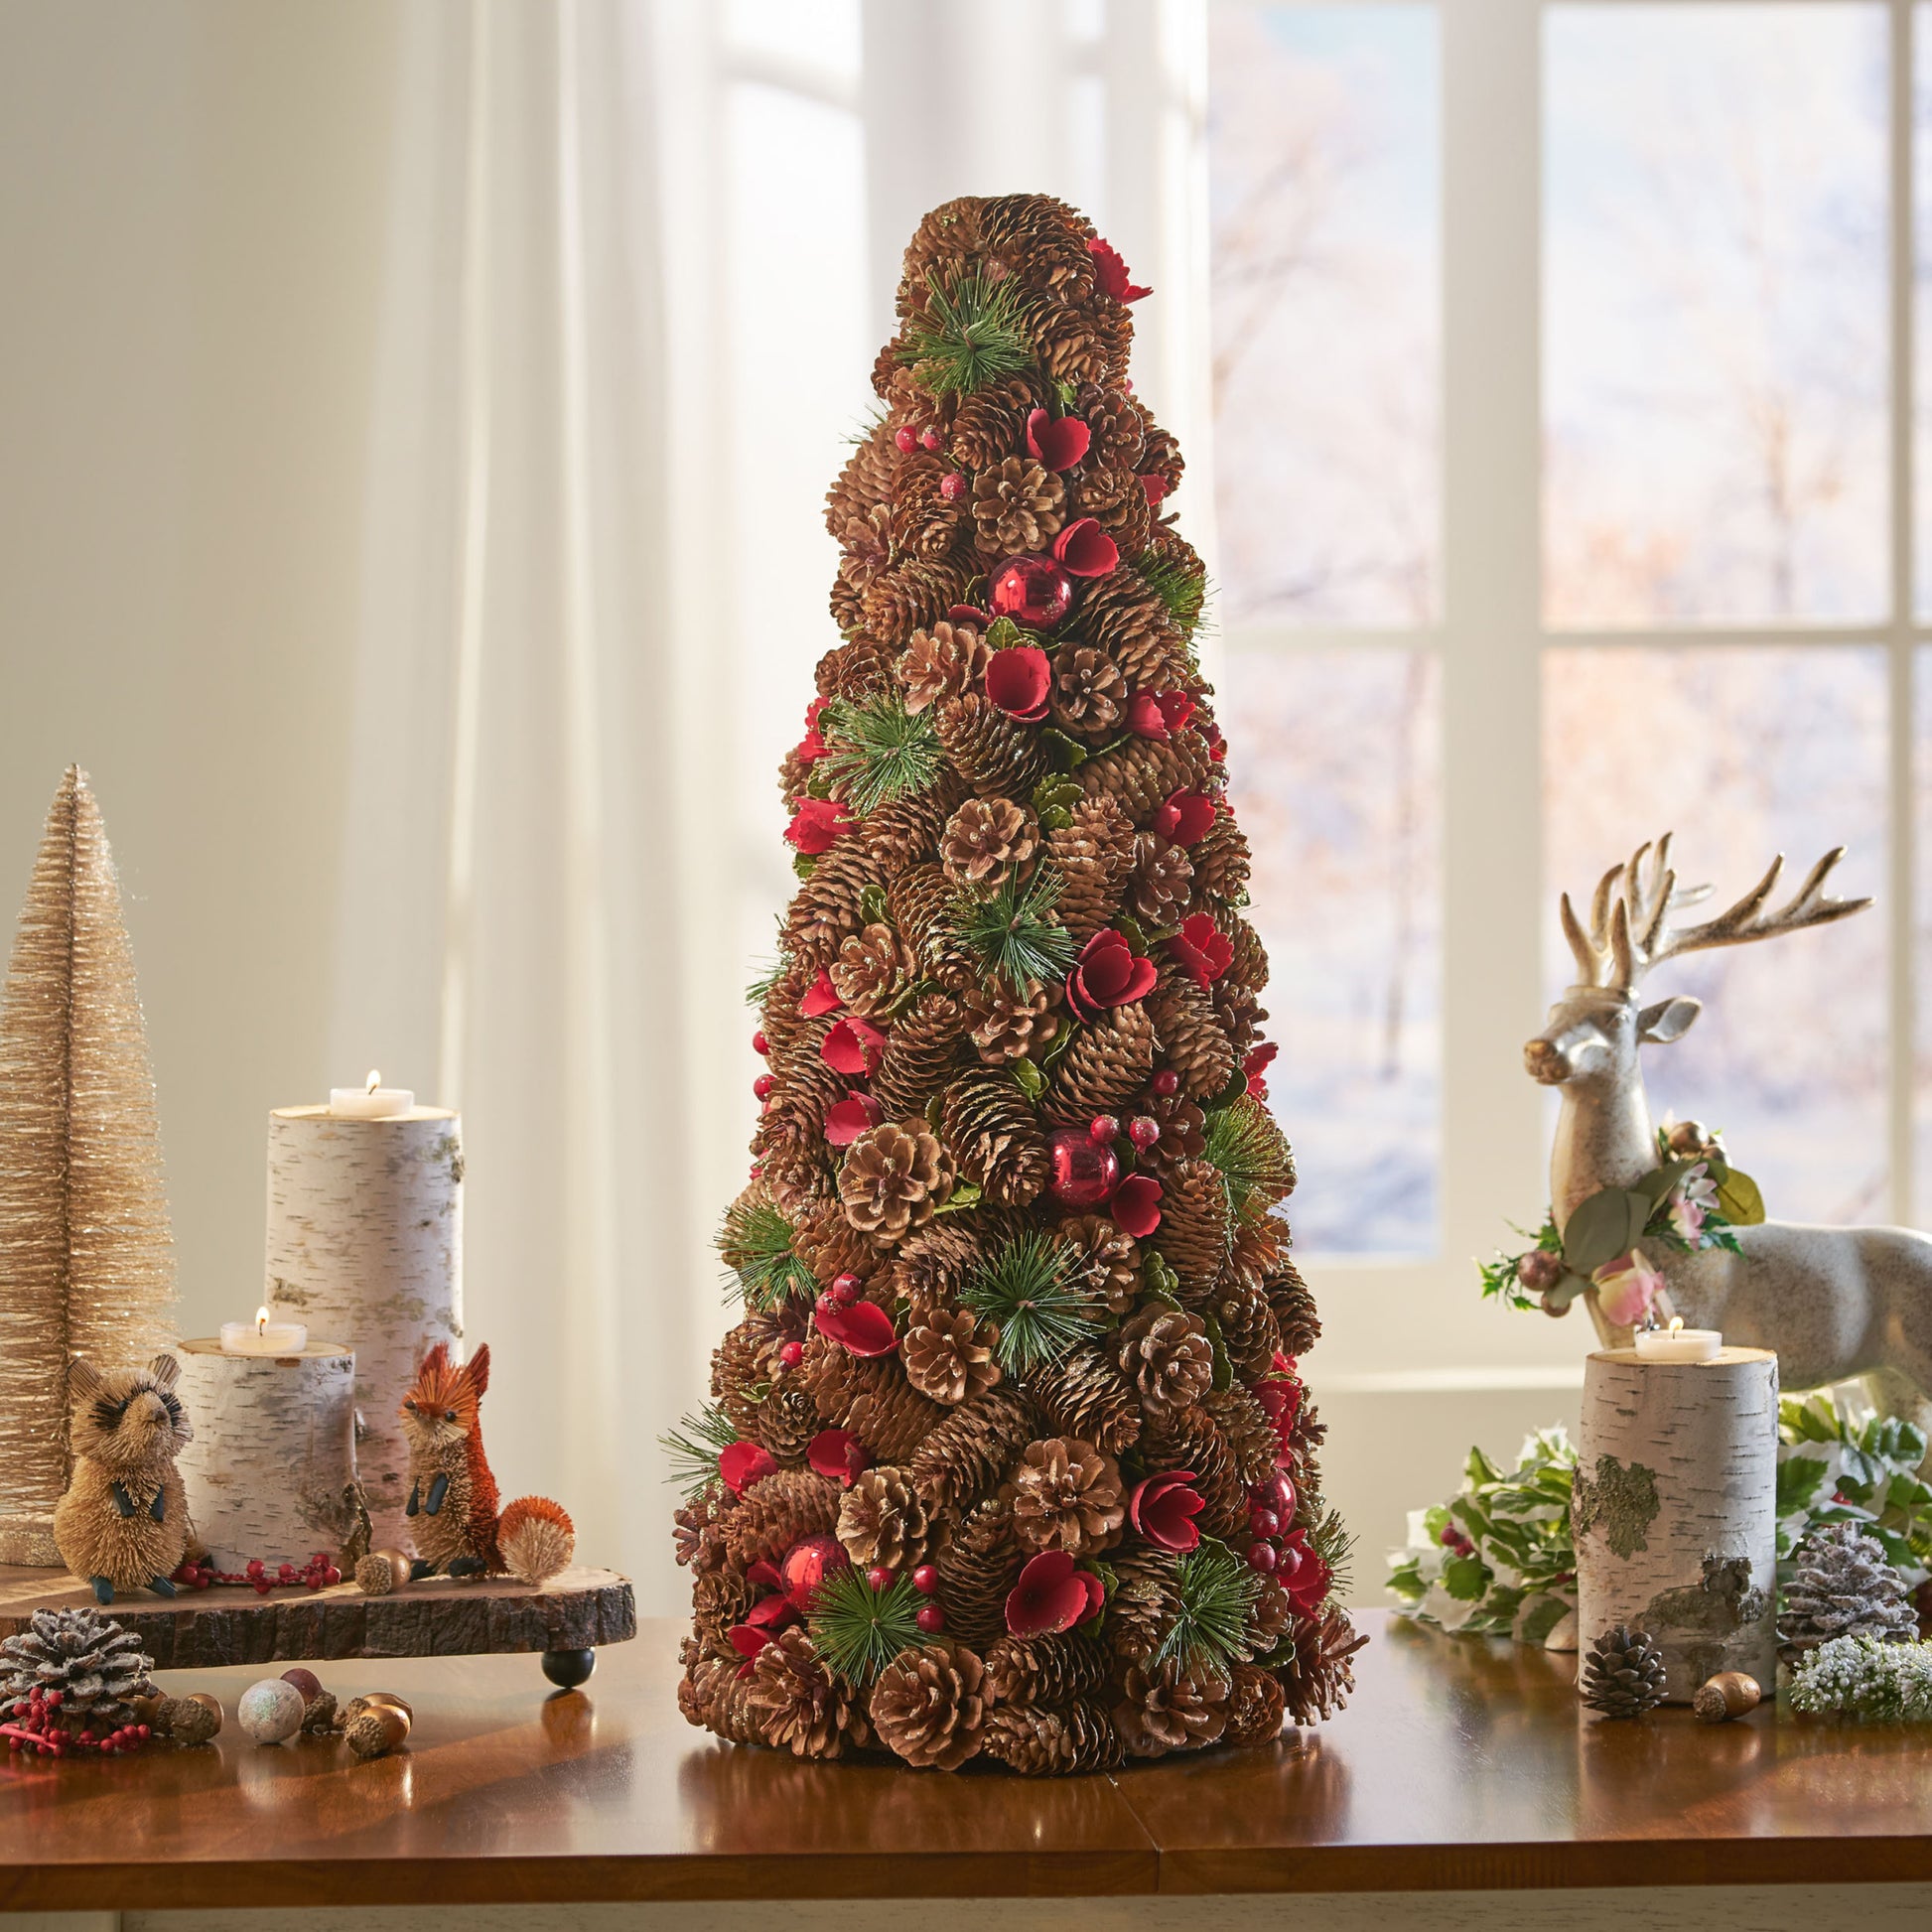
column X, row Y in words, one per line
column 1833, row 1303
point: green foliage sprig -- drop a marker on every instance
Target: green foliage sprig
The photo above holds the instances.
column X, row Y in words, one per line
column 693, row 1448
column 756, row 1242
column 970, row 333
column 1181, row 585
column 859, row 1631
column 1029, row 1287
column 881, row 750
column 1011, row 932
column 1833, row 1469
column 1244, row 1144
column 1217, row 1590
column 1864, row 1678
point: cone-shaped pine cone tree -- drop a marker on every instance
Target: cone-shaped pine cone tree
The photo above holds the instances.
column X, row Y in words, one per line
column 1021, row 1325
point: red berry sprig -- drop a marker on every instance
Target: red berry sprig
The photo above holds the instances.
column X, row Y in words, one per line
column 319, row 1572
column 38, row 1727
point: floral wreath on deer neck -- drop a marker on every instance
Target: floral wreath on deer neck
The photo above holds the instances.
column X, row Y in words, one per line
column 1689, row 1202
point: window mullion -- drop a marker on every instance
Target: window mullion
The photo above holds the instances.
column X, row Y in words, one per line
column 1902, row 857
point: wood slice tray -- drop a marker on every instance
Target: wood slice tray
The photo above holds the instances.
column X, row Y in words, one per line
column 580, row 1610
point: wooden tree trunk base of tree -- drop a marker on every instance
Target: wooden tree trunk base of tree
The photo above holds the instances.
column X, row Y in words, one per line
column 29, row 1540
column 1675, row 1510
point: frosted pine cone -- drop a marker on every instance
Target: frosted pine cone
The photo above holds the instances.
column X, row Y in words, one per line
column 93, row 1665
column 986, row 839
column 1016, row 506
column 1009, row 1025
column 893, row 1179
column 949, row 1357
column 1165, row 1707
column 1166, row 1354
column 1067, row 1495
column 872, row 970
column 942, row 663
column 930, row 1704
column 1109, row 1261
column 882, row 1520
column 1843, row 1586
column 1090, row 695
column 802, row 1706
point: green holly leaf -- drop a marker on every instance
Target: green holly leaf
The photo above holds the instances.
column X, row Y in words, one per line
column 965, row 1193
column 1467, row 1578
column 1223, row 1365
column 802, row 863
column 1033, row 1082
column 1067, row 753
column 1004, row 634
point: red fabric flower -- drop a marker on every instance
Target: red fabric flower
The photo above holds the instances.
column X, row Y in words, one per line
column 1018, row 680
column 1154, row 486
column 1256, row 1066
column 743, row 1465
column 838, row 1453
column 1052, row 1595
column 1135, row 1206
column 812, row 748
column 1108, row 974
column 770, row 1612
column 853, row 1048
column 747, row 1639
column 1163, row 1509
column 821, row 997
column 1111, row 272
column 1185, row 817
column 817, row 823
column 1202, row 947
column 864, row 1328
column 763, row 1575
column 970, row 614
column 1084, row 549
column 1158, row 714
column 1302, row 1574
column 1059, row 444
column 856, row 1113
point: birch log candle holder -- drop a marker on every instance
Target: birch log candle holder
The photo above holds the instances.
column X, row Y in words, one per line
column 1675, row 1509
column 365, row 1244
column 271, row 1471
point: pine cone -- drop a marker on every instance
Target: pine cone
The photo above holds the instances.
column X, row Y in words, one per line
column 699, row 1542
column 1256, row 1705
column 1108, row 1261
column 1167, row 1356
column 864, row 480
column 929, row 1267
column 1249, row 967
column 916, row 594
column 1082, row 1393
column 1182, row 1125
column 930, row 1706
column 919, row 1056
column 1145, row 1603
column 1049, row 1670
column 1074, row 345
column 771, row 1515
column 1843, row 1585
column 1247, row 1322
column 1223, row 861
column 826, row 907
column 1009, row 1025
column 881, row 1520
column 968, row 1452
column 1040, row 1743
column 785, row 1422
column 94, row 1665
column 896, row 836
column 1090, row 695
column 802, row 1706
column 991, row 752
column 1093, row 856
column 1165, row 1707
column 830, row 1246
column 986, row 839
column 714, row 1695
column 1293, row 1305
column 1623, row 1674
column 1116, row 499
column 1162, row 881
column 735, row 1371
column 721, row 1600
column 1162, row 457
column 1191, row 1035
column 1110, row 1060
column 949, row 1357
column 991, row 424
column 891, row 1418
column 1250, row 1434
column 994, row 1137
column 1017, row 506
column 921, row 903
column 1319, row 1677
column 1271, row 1616
column 1115, row 420
column 978, row 1568
column 1192, row 1237
column 1190, row 1439
column 942, row 663
column 872, row 970
column 1140, row 774
column 893, row 1179
column 1067, row 1495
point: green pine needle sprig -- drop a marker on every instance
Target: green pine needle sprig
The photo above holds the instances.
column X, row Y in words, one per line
column 1244, row 1142
column 769, row 972
column 693, row 1448
column 1217, row 1590
column 1012, row 931
column 756, row 1242
column 859, row 1631
column 970, row 334
column 1029, row 1289
column 882, row 751
column 1181, row 585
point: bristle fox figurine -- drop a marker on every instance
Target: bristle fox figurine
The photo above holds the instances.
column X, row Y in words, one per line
column 123, row 1522
column 453, row 1494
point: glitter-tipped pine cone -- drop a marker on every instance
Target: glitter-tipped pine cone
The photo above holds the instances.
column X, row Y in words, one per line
column 1020, row 1334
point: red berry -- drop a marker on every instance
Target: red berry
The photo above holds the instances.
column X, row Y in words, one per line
column 332, row 1574
column 1264, row 1522
column 925, row 1580
column 1261, row 1556
column 1166, row 1082
column 759, row 1045
column 55, row 1698
column 792, row 1354
column 143, row 1732
column 906, row 440
column 1103, row 1128
column 929, row 437
column 86, row 1736
column 879, row 1576
column 931, row 1619
column 1143, row 1130
column 827, row 1303
column 952, row 485
column 255, row 1566
column 762, row 1085
column 845, row 1289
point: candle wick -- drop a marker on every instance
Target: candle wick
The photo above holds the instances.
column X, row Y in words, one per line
column 375, row 1080
column 1677, row 1325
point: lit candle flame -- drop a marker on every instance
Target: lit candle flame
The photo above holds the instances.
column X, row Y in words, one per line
column 1677, row 1325
column 261, row 1321
column 375, row 1080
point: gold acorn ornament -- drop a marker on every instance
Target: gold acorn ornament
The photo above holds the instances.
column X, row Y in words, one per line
column 1731, row 1694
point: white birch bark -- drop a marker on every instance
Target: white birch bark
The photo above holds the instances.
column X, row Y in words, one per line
column 1675, row 1510
column 271, row 1471
column 366, row 1245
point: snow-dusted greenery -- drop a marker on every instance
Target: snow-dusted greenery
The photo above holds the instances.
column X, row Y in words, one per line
column 1860, row 1677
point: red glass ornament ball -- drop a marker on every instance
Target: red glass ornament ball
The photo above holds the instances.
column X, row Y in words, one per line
column 906, row 440
column 1261, row 1557
column 807, row 1563
column 1033, row 591
column 1143, row 1130
column 1103, row 1129
column 762, row 1085
column 931, row 1619
column 792, row 1354
column 1277, row 1493
column 845, row 1289
column 925, row 1580
column 759, row 1045
column 1166, row 1082
column 1080, row 1171
column 952, row 485
column 879, row 1576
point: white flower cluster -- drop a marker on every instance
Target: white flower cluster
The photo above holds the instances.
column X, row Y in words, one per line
column 1860, row 1677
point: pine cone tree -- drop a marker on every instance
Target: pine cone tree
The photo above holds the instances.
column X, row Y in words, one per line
column 1843, row 1585
column 1107, row 1260
column 93, row 1665
column 1093, row 856
column 1017, row 506
column 949, row 1357
column 883, row 1521
column 802, row 1706
column 994, row 1137
column 986, row 839
column 1256, row 1705
column 1193, row 1041
column 1109, row 1061
column 1067, row 1495
column 1623, row 1674
column 943, row 662
column 1009, row 1025
column 1167, row 1356
column 893, row 1179
column 978, row 1566
column 1167, row 1708
column 1042, row 1742
column 1049, row 1670
column 968, row 1452
column 1090, row 695
column 1192, row 1237
column 1319, row 1675
column 872, row 969
column 919, row 1053
column 930, row 1706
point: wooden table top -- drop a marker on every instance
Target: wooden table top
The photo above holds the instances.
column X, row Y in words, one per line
column 1460, row 1764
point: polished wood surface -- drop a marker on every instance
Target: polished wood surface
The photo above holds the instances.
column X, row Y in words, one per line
column 578, row 1610
column 1460, row 1764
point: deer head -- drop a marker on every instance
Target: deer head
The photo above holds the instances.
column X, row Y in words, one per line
column 1595, row 1029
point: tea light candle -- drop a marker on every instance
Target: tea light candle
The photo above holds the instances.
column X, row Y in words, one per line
column 370, row 1101
column 262, row 1337
column 1677, row 1344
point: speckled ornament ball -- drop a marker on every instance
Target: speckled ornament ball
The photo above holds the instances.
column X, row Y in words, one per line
column 269, row 1710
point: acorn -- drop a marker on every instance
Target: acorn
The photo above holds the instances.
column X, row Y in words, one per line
column 381, row 1572
column 1731, row 1694
column 371, row 1699
column 305, row 1680
column 193, row 1720
column 377, row 1729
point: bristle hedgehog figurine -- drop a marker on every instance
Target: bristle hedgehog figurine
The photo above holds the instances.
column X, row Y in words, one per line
column 453, row 1494
column 123, row 1522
